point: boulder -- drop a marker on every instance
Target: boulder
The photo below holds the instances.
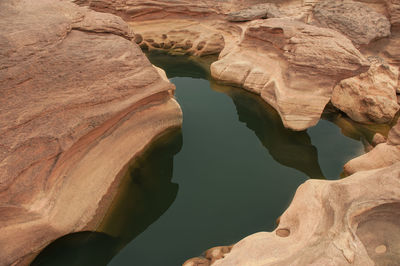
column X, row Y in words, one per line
column 78, row 101
column 356, row 20
column 369, row 97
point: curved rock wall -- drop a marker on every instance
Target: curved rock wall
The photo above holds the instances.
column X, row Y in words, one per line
column 78, row 100
column 75, row 89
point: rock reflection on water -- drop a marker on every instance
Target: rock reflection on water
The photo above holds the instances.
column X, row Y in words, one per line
column 146, row 192
column 287, row 147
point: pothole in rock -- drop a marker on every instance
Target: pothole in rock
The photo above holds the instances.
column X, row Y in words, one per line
column 379, row 231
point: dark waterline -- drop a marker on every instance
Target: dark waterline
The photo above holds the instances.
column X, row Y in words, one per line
column 230, row 172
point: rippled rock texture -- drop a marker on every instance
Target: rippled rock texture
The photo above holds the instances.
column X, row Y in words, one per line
column 78, row 101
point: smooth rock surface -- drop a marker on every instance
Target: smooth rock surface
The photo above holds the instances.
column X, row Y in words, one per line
column 292, row 65
column 357, row 21
column 383, row 155
column 340, row 222
column 370, row 97
column 78, row 100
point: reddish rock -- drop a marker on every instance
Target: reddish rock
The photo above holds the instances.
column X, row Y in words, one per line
column 78, row 101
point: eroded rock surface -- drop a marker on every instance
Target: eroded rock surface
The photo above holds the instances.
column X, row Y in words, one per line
column 292, row 65
column 261, row 11
column 182, row 36
column 78, row 99
column 332, row 223
column 383, row 155
column 393, row 7
column 371, row 96
column 357, row 21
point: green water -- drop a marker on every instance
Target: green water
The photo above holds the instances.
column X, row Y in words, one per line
column 230, row 172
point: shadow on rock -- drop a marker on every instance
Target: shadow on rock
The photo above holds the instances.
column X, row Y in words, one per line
column 145, row 193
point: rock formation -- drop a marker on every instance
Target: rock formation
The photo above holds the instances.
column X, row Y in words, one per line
column 332, row 223
column 383, row 155
column 78, row 101
column 285, row 77
column 357, row 21
column 371, row 96
column 260, row 11
column 393, row 7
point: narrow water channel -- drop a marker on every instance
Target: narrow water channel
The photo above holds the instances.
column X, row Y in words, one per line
column 229, row 172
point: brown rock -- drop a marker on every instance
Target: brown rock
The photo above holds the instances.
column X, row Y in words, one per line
column 78, row 101
column 293, row 66
column 394, row 12
column 268, row 10
column 217, row 253
column 378, row 139
column 371, row 96
column 197, row 262
column 342, row 222
column 357, row 21
column 383, row 155
column 183, row 36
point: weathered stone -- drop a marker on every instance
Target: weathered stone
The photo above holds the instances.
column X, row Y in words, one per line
column 293, row 66
column 197, row 262
column 263, row 11
column 383, row 155
column 357, row 21
column 182, row 36
column 217, row 253
column 342, row 222
column 370, row 97
column 394, row 12
column 78, row 100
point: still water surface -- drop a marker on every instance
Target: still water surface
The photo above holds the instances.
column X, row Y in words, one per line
column 230, row 172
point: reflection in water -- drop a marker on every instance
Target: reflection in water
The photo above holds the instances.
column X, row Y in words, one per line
column 258, row 116
column 233, row 181
column 287, row 147
column 146, row 193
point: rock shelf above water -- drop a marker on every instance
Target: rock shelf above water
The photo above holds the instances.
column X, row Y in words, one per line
column 78, row 100
column 75, row 89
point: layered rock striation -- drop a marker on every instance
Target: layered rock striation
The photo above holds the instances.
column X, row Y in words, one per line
column 78, row 100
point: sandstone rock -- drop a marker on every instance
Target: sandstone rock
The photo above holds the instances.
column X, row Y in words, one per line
column 78, row 101
column 378, row 139
column 264, row 11
column 182, row 36
column 217, row 253
column 357, row 21
column 293, row 66
column 371, row 96
column 353, row 221
column 394, row 12
column 197, row 262
column 383, row 155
